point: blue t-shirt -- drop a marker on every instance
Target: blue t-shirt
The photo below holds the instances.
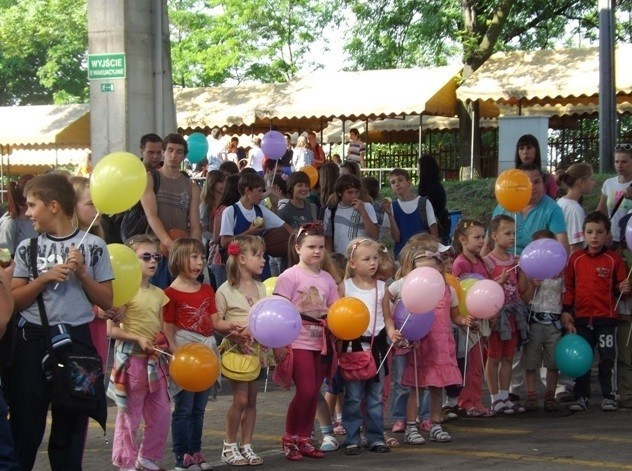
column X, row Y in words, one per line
column 546, row 215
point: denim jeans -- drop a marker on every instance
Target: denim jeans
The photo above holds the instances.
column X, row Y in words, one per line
column 187, row 421
column 400, row 392
column 219, row 271
column 371, row 392
column 7, row 456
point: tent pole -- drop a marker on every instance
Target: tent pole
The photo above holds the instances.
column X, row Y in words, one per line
column 472, row 145
column 421, row 117
column 342, row 140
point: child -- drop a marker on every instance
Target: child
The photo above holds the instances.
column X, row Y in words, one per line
column 469, row 238
column 137, row 394
column 579, row 181
column 190, row 316
column 409, row 214
column 511, row 322
column 72, row 278
column 359, row 283
column 624, row 347
column 312, row 291
column 545, row 297
column 234, row 300
column 433, row 363
column 593, row 276
column 348, row 217
column 298, row 211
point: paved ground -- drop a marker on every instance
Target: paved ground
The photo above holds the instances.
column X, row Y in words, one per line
column 561, row 441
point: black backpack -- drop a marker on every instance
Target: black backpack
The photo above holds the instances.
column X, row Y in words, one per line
column 133, row 221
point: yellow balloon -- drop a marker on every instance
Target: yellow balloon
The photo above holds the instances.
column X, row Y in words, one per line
column 117, row 182
column 270, row 284
column 127, row 273
column 312, row 173
column 466, row 284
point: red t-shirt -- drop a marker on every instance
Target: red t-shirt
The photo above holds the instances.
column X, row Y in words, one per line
column 191, row 311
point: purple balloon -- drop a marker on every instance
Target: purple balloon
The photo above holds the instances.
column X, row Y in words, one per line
column 273, row 145
column 274, row 322
column 628, row 233
column 543, row 259
column 417, row 326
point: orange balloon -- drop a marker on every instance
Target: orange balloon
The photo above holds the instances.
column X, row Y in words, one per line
column 348, row 318
column 194, row 367
column 513, row 190
column 312, row 173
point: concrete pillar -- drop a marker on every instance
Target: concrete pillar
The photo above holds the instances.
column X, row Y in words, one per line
column 123, row 109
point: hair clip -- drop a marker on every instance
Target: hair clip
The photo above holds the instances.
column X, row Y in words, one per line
column 428, row 254
column 233, row 248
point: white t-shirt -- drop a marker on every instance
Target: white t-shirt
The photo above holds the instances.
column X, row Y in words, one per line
column 256, row 158
column 613, row 190
column 367, row 296
column 410, row 207
column 348, row 225
column 270, row 220
column 574, row 216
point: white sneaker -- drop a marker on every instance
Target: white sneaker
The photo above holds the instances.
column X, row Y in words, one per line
column 579, row 404
column 609, row 405
column 329, row 443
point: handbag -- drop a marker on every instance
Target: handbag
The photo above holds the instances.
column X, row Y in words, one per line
column 359, row 366
column 77, row 370
column 239, row 366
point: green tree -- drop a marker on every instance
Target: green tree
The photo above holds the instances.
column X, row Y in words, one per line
column 43, row 48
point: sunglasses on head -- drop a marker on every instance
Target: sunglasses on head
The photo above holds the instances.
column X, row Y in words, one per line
column 310, row 228
column 146, row 256
column 627, row 147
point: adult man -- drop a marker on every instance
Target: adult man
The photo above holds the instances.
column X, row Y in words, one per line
column 151, row 151
column 356, row 149
column 319, row 153
column 176, row 204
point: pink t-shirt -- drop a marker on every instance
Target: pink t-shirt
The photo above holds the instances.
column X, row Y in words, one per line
column 312, row 295
column 463, row 267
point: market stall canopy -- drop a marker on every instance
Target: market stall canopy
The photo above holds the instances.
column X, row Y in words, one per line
column 547, row 77
column 46, row 126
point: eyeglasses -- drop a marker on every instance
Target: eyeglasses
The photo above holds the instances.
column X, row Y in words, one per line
column 619, row 147
column 146, row 256
column 315, row 227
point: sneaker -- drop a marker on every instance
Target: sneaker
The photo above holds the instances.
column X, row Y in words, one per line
column 564, row 394
column 579, row 404
column 609, row 405
column 186, row 463
column 329, row 443
column 201, row 461
column 531, row 404
column 144, row 464
column 338, row 428
column 399, row 426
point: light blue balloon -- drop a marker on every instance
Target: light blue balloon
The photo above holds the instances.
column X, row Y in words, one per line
column 573, row 355
column 198, row 147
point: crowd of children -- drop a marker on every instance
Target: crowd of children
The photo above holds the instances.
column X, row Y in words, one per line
column 424, row 381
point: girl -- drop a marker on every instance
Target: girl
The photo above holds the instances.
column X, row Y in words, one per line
column 303, row 155
column 360, row 283
column 579, row 181
column 234, row 300
column 435, row 356
column 312, row 291
column 469, row 238
column 328, row 174
column 137, row 394
column 190, row 316
column 209, row 199
column 14, row 225
column 230, row 196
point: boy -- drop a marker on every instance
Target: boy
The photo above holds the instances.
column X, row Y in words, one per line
column 593, row 276
column 357, row 149
column 297, row 211
column 72, row 277
column 511, row 322
column 350, row 217
column 409, row 214
column 248, row 217
column 545, row 298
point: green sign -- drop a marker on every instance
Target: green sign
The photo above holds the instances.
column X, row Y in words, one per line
column 106, row 66
column 107, row 87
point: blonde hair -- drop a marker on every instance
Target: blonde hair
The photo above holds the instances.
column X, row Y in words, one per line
column 385, row 263
column 80, row 184
column 139, row 239
column 462, row 229
column 180, row 251
column 575, row 173
column 416, row 247
column 351, row 251
column 247, row 244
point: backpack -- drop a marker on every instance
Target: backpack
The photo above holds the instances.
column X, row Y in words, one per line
column 443, row 221
column 134, row 221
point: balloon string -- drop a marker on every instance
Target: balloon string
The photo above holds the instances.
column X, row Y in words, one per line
column 516, row 236
column 391, row 346
column 619, row 298
column 467, row 342
column 83, row 238
column 162, row 351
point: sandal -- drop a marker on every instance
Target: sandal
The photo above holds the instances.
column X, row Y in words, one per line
column 437, row 434
column 352, row 450
column 306, row 448
column 499, row 407
column 474, row 412
column 290, row 449
column 393, row 442
column 413, row 437
column 248, row 453
column 232, row 455
column 380, row 447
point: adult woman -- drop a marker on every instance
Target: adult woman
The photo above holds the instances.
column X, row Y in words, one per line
column 617, row 189
column 528, row 152
column 211, row 193
column 14, row 226
column 430, row 186
column 328, row 173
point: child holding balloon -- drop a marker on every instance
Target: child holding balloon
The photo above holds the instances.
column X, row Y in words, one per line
column 360, row 283
column 234, row 300
column 190, row 316
column 137, row 394
column 433, row 363
column 312, row 290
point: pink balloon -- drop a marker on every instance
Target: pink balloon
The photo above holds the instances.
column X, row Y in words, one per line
column 484, row 299
column 423, row 288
